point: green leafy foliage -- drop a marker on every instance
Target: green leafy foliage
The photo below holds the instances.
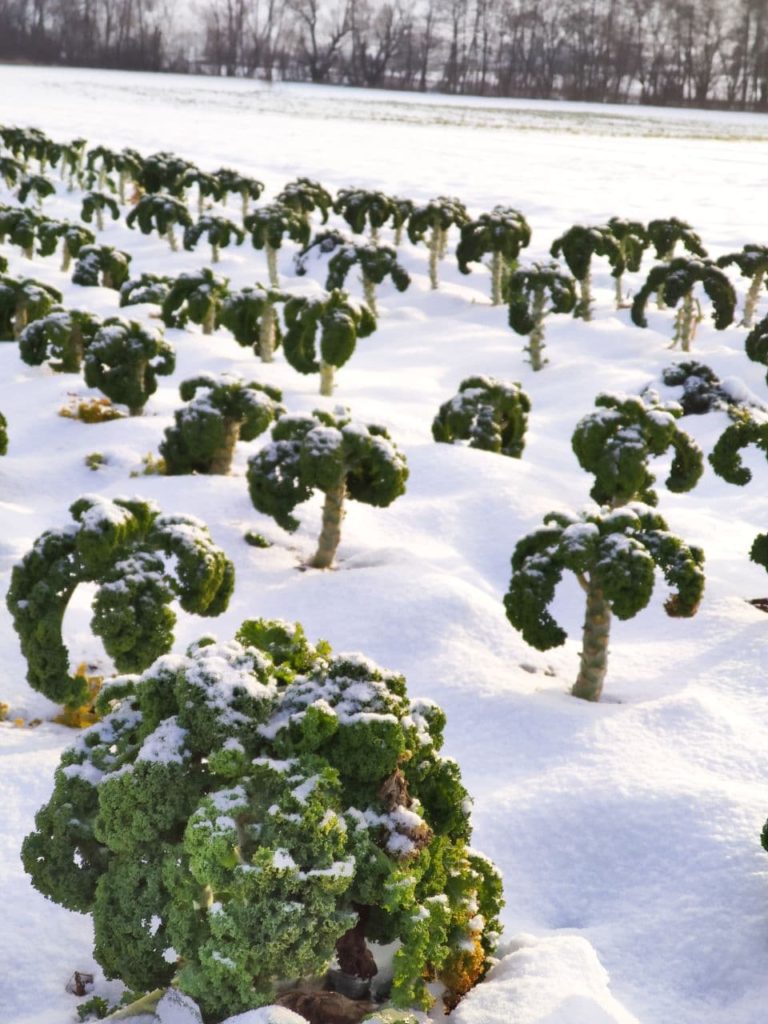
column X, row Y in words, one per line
column 270, row 225
column 124, row 360
column 248, row 313
column 232, row 182
column 23, row 300
column 526, row 288
column 633, row 239
column 616, row 441
column 375, row 262
column 614, row 555
column 19, row 226
column 101, row 265
column 304, row 196
column 59, row 339
column 491, row 414
column 95, row 204
column 3, row 435
column 579, row 244
column 221, row 410
column 666, row 233
column 438, row 214
column 756, row 343
column 367, row 208
column 251, row 803
column 502, row 234
column 329, row 453
column 11, row 171
column 161, row 213
column 147, row 288
column 324, row 330
column 36, row 185
column 725, row 457
column 677, row 279
column 702, row 391
column 751, row 260
column 194, row 296
column 120, row 546
column 163, row 172
column 218, row 231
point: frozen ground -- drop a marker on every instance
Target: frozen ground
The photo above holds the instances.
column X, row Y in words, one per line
column 628, row 833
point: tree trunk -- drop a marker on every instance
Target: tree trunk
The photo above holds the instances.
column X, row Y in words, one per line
column 326, row 378
column 594, row 654
column 274, row 279
column 330, row 535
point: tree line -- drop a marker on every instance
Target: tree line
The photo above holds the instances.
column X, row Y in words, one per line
column 675, row 52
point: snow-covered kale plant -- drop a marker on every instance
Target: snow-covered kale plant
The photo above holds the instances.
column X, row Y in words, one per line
column 491, row 414
column 102, row 163
column 101, row 265
column 633, row 240
column 72, row 163
column 745, row 430
column 146, row 288
column 578, row 245
column 59, row 339
column 3, row 435
column 219, row 232
column 140, row 561
column 249, row 810
column 321, row 333
column 95, row 204
column 665, row 234
column 334, row 454
column 220, row 411
column 304, row 196
column 23, row 300
column 72, row 236
column 251, row 315
column 678, row 279
column 231, row 182
column 614, row 554
column 756, row 343
column 616, row 441
column 533, row 293
column 36, row 185
column 375, row 262
column 269, row 226
column 163, row 172
column 752, row 261
column 20, row 226
column 433, row 221
column 124, row 360
column 367, row 208
column 702, row 389
column 501, row 234
column 196, row 296
column 161, row 213
column 11, row 171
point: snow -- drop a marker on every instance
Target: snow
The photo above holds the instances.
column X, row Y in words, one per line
column 627, row 832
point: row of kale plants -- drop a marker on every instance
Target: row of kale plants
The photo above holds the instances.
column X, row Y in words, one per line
column 329, row 778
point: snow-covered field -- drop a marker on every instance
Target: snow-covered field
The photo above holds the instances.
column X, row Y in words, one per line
column 627, row 832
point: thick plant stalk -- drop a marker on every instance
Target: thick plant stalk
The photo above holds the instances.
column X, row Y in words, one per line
column 497, row 279
column 399, row 234
column 326, row 378
column 750, row 302
column 221, row 462
column 274, row 280
column 170, row 234
column 140, row 373
column 584, row 308
column 685, row 323
column 246, row 202
column 434, row 256
column 214, row 254
column 20, row 320
column 267, row 333
column 66, row 258
column 619, row 285
column 594, row 653
column 374, row 233
column 535, row 348
column 209, row 322
column 369, row 294
column 330, row 535
column 142, row 1007
column 99, row 218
